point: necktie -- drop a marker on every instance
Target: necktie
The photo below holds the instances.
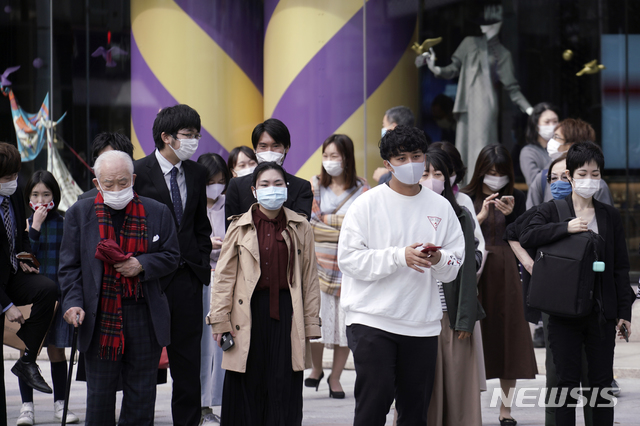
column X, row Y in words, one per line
column 8, row 226
column 175, row 195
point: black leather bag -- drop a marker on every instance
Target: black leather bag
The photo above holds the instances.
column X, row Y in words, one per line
column 562, row 280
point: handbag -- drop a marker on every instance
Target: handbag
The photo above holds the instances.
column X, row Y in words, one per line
column 324, row 233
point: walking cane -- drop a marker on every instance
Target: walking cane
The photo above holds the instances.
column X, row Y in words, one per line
column 74, row 346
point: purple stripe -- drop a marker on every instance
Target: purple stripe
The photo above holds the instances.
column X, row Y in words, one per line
column 148, row 95
column 237, row 27
column 329, row 88
column 269, row 8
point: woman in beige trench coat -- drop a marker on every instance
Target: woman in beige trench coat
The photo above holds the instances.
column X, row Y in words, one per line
column 266, row 295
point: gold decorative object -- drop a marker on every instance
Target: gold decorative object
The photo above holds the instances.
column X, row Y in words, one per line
column 567, row 55
column 426, row 45
column 591, row 68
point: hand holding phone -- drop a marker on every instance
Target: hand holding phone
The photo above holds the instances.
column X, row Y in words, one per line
column 625, row 332
column 28, row 259
column 226, row 341
column 429, row 249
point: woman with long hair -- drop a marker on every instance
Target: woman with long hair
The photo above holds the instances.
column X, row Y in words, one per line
column 334, row 190
column 540, row 127
column 508, row 350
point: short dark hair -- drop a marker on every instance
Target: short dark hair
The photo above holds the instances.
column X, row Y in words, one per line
column 401, row 115
column 275, row 128
column 115, row 140
column 47, row 179
column 10, row 161
column 553, row 163
column 497, row 156
column 453, row 153
column 171, row 119
column 583, row 153
column 442, row 163
column 263, row 167
column 215, row 164
column 402, row 139
column 235, row 152
column 344, row 145
column 531, row 135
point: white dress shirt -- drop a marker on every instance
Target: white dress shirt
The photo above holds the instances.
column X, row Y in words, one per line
column 166, row 166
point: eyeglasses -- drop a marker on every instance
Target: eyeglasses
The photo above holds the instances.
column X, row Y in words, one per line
column 196, row 136
column 555, row 178
column 558, row 138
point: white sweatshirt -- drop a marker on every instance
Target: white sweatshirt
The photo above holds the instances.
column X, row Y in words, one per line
column 378, row 288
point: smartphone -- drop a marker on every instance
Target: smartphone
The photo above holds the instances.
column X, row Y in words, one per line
column 28, row 259
column 506, row 198
column 429, row 249
column 227, row 341
column 625, row 332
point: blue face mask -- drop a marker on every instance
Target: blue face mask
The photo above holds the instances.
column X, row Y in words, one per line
column 272, row 197
column 560, row 189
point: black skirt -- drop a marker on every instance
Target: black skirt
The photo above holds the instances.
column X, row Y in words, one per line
column 269, row 392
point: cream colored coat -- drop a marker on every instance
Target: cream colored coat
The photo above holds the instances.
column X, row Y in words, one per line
column 236, row 276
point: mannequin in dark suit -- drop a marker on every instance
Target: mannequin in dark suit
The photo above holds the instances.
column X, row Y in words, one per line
column 21, row 286
column 173, row 128
column 270, row 140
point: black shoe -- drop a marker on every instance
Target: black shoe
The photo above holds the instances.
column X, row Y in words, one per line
column 30, row 373
column 333, row 394
column 538, row 338
column 615, row 388
column 314, row 383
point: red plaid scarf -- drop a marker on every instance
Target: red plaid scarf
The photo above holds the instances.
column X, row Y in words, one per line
column 133, row 239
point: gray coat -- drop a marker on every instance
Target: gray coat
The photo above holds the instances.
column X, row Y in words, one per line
column 80, row 273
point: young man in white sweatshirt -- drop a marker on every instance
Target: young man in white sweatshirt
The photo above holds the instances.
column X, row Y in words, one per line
column 389, row 289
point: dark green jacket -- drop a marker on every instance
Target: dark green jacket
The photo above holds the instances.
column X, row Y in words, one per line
column 461, row 295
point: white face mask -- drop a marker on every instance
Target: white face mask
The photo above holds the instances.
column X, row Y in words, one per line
column 244, row 172
column 187, row 148
column 452, row 180
column 552, row 148
column 8, row 188
column 334, row 168
column 546, row 132
column 586, row 188
column 435, row 185
column 383, row 132
column 491, row 30
column 117, row 200
column 270, row 156
column 214, row 190
column 496, row 183
column 410, row 173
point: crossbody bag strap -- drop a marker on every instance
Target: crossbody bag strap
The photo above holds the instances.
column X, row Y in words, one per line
column 564, row 212
column 348, row 197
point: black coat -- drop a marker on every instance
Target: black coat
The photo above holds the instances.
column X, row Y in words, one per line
column 194, row 233
column 21, row 242
column 617, row 295
column 239, row 198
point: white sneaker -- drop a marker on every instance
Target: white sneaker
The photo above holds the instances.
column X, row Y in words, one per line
column 26, row 417
column 58, row 410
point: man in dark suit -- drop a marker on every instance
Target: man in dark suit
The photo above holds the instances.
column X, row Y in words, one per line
column 20, row 283
column 119, row 302
column 271, row 142
column 167, row 175
column 107, row 141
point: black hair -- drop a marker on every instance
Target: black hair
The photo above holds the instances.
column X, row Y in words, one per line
column 344, row 145
column 171, row 119
column 402, row 139
column 10, row 161
column 582, row 153
column 215, row 164
column 115, row 140
column 454, row 155
column 263, row 167
column 401, row 115
column 531, row 135
column 235, row 153
column 47, row 179
column 442, row 163
column 276, row 129
column 497, row 156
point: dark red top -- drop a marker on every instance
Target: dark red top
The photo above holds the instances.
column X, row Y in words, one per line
column 274, row 258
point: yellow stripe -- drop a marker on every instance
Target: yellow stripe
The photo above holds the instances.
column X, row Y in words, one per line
column 399, row 88
column 298, row 29
column 196, row 71
column 138, row 152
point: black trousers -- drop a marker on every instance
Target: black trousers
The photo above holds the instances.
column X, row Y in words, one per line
column 24, row 289
column 566, row 339
column 3, row 399
column 138, row 368
column 391, row 366
column 184, row 295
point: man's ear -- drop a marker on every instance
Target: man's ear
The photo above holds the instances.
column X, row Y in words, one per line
column 95, row 183
column 387, row 165
column 133, row 179
column 166, row 138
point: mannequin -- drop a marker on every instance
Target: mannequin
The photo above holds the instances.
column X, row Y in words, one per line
column 481, row 63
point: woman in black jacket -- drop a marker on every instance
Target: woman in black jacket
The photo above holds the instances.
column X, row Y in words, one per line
column 612, row 291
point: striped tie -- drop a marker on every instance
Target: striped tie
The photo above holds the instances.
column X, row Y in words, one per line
column 175, row 195
column 8, row 226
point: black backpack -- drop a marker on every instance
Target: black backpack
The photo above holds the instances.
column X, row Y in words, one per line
column 562, row 280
